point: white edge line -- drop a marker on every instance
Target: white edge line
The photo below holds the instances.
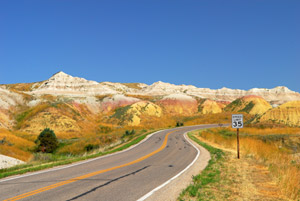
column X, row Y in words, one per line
column 83, row 162
column 167, row 182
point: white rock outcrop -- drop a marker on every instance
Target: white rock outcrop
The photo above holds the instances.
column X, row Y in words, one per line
column 8, row 98
column 66, row 85
column 277, row 95
column 6, row 161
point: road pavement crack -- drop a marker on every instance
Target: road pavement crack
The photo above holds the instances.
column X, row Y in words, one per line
column 107, row 183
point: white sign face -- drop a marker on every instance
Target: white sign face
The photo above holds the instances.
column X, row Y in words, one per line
column 237, row 121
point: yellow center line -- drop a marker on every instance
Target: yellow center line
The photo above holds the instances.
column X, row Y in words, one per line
column 90, row 174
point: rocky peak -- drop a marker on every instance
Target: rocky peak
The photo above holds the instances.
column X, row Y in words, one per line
column 63, row 78
column 63, row 84
column 60, row 74
column 161, row 84
column 281, row 89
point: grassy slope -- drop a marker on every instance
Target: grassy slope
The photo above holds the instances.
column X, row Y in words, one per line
column 228, row 178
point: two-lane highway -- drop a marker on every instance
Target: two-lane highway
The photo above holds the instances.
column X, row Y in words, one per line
column 127, row 175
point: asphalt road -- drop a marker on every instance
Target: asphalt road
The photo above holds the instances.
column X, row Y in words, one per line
column 128, row 175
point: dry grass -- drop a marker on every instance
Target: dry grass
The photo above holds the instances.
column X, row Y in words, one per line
column 222, row 118
column 132, row 85
column 14, row 146
column 27, row 114
column 283, row 165
column 22, row 86
column 270, row 131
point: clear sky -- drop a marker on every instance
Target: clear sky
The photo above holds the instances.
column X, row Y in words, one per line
column 237, row 44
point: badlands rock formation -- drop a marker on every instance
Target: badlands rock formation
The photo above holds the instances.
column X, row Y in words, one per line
column 249, row 104
column 9, row 99
column 132, row 115
column 63, row 84
column 179, row 104
column 210, row 107
column 288, row 113
column 51, row 118
column 118, row 100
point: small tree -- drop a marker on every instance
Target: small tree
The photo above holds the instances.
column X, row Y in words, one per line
column 47, row 141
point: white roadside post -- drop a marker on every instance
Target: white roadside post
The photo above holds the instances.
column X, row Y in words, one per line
column 237, row 122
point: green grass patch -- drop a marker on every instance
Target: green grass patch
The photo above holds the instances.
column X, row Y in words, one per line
column 201, row 187
column 233, row 105
column 119, row 112
column 248, row 107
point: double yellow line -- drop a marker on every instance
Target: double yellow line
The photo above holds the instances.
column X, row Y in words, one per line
column 90, row 174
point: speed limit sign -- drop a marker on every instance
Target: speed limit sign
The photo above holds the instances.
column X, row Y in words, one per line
column 237, row 121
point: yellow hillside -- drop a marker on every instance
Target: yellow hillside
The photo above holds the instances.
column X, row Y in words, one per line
column 5, row 121
column 249, row 104
column 209, row 107
column 132, row 115
column 67, row 120
column 288, row 113
column 51, row 118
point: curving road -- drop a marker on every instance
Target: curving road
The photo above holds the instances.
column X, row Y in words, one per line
column 127, row 175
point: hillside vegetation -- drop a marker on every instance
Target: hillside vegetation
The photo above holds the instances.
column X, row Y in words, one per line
column 275, row 150
column 249, row 104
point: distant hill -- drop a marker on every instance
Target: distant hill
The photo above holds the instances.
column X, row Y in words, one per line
column 75, row 105
column 249, row 104
column 208, row 106
column 287, row 113
column 83, row 112
column 179, row 104
column 67, row 85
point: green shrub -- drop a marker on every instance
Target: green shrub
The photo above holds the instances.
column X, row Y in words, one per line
column 47, row 141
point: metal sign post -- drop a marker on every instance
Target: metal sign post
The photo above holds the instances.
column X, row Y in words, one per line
column 237, row 122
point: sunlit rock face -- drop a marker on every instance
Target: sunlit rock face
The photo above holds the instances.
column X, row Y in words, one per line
column 179, row 104
column 249, row 104
column 67, row 85
column 64, row 84
column 211, row 107
column 287, row 113
column 132, row 115
column 118, row 100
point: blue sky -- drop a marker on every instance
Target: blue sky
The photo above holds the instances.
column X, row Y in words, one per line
column 206, row 43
